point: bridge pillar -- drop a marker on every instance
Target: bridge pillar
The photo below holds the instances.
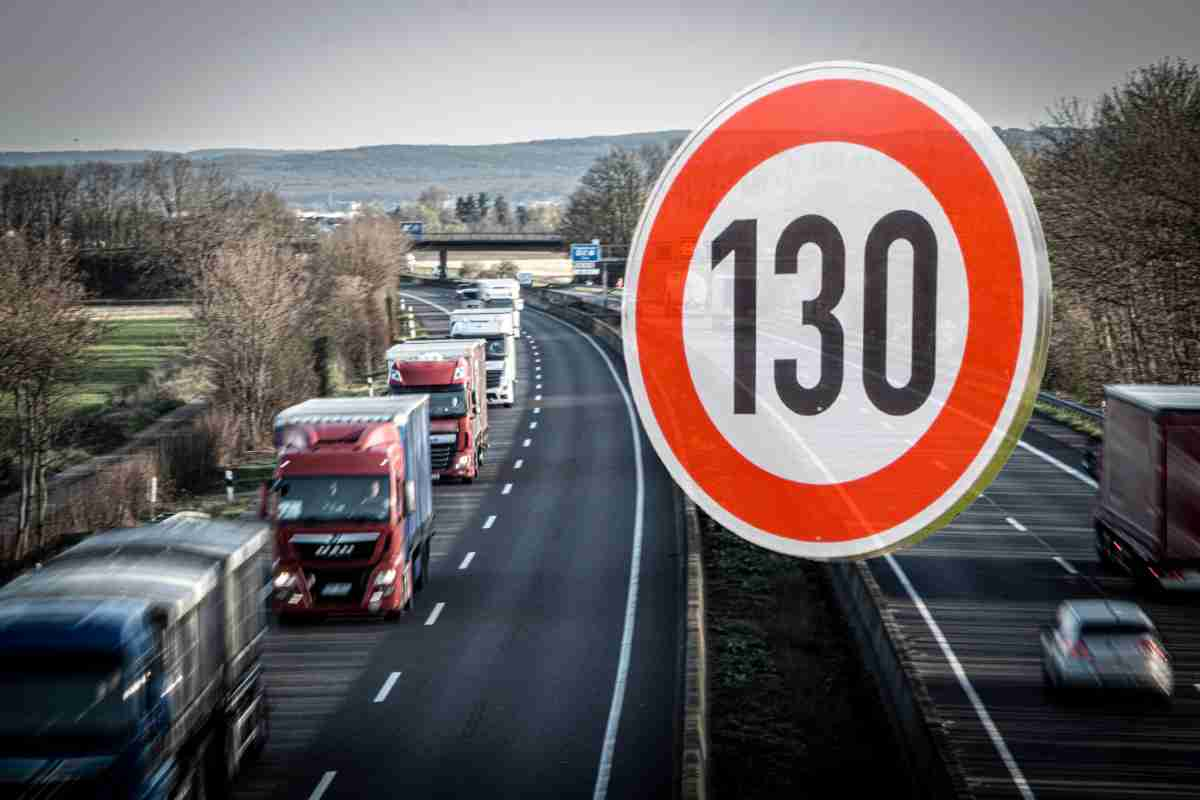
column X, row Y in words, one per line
column 442, row 263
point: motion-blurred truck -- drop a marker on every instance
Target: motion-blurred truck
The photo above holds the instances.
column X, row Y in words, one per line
column 130, row 664
column 352, row 506
column 1147, row 515
column 453, row 372
column 495, row 326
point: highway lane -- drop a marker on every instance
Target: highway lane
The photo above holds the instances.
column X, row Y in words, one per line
column 987, row 582
column 502, row 682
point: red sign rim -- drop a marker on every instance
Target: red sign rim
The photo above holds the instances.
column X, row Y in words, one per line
column 918, row 137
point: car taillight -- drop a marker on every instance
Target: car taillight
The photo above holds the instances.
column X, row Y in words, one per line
column 1151, row 648
column 1080, row 651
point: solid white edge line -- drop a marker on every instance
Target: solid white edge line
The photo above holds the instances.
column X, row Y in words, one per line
column 1015, row 524
column 387, row 687
column 322, row 786
column 604, row 771
column 433, row 616
column 489, row 522
column 1066, row 565
column 981, row 711
column 507, row 488
column 1052, row 460
column 466, row 562
column 518, row 463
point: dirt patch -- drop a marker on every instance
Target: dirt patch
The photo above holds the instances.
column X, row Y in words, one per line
column 792, row 711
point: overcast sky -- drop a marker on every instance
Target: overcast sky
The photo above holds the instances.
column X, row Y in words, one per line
column 93, row 74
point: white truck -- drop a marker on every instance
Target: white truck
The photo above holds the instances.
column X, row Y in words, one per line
column 497, row 327
column 502, row 293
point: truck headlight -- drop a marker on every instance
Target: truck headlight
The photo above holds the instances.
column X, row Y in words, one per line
column 386, row 578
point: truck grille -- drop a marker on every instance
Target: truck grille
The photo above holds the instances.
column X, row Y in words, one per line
column 334, row 547
column 441, row 455
column 493, row 378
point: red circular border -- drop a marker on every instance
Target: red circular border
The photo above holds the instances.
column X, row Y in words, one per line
column 903, row 128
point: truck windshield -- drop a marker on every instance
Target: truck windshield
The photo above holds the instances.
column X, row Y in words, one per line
column 324, row 498
column 79, row 697
column 496, row 347
column 451, row 403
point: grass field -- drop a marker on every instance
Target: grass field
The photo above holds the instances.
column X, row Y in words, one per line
column 129, row 351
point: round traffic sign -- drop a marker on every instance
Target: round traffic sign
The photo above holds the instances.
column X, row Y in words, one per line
column 836, row 310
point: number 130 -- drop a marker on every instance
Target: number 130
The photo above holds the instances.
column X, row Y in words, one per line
column 741, row 239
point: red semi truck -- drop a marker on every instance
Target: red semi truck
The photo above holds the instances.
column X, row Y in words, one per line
column 1147, row 515
column 453, row 372
column 351, row 506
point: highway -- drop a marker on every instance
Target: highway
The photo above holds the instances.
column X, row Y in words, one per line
column 531, row 666
column 987, row 582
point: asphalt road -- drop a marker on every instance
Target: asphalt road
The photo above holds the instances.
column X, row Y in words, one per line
column 988, row 582
column 509, row 678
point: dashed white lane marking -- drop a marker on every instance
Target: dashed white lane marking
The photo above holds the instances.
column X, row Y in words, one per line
column 437, row 612
column 1015, row 524
column 1066, row 565
column 604, row 771
column 518, row 463
column 537, row 398
column 387, row 687
column 507, row 488
column 466, row 562
column 533, row 426
column 489, row 522
column 981, row 711
column 322, row 786
column 538, row 387
column 537, row 410
column 526, row 443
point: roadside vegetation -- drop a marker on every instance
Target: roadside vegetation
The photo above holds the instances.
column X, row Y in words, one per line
column 792, row 712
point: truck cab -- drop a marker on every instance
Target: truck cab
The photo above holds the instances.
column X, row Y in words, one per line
column 352, row 506
column 453, row 372
column 131, row 664
column 495, row 327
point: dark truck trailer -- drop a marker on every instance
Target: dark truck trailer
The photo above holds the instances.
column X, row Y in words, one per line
column 131, row 663
column 1147, row 515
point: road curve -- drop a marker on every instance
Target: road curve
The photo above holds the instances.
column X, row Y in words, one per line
column 502, row 682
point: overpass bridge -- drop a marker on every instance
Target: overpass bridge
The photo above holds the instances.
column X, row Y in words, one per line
column 443, row 243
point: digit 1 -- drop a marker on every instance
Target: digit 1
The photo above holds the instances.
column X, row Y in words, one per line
column 818, row 312
column 900, row 400
column 741, row 239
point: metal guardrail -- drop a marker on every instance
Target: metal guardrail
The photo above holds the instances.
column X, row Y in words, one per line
column 1070, row 405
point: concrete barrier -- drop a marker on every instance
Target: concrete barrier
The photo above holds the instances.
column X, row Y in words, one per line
column 925, row 748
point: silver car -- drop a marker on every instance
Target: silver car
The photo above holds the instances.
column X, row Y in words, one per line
column 1105, row 644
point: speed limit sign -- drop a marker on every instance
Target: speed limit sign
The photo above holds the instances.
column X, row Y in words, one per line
column 836, row 310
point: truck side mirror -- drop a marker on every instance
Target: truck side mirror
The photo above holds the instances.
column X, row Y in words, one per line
column 410, row 496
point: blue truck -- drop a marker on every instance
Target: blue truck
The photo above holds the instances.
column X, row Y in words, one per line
column 131, row 666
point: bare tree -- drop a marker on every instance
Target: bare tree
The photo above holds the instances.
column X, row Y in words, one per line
column 254, row 314
column 1115, row 187
column 44, row 333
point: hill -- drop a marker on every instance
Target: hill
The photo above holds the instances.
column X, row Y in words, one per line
column 547, row 169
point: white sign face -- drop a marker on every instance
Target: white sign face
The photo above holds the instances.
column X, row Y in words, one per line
column 835, row 320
